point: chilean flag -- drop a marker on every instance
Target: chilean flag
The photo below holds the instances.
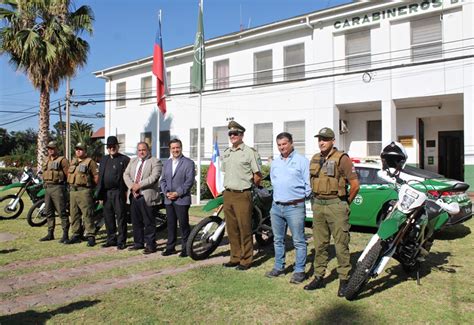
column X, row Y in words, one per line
column 214, row 178
column 159, row 70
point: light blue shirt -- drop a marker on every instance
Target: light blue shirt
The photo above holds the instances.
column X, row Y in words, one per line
column 290, row 178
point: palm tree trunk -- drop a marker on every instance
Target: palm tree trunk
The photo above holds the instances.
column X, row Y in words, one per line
column 43, row 132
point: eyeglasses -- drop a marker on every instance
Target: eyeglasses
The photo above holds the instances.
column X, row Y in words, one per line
column 234, row 134
column 112, row 146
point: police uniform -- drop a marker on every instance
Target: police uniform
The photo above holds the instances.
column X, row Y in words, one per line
column 81, row 183
column 54, row 170
column 239, row 165
column 330, row 207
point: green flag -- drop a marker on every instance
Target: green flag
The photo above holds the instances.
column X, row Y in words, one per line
column 198, row 76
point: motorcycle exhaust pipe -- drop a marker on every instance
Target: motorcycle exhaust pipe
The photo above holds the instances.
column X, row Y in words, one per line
column 218, row 232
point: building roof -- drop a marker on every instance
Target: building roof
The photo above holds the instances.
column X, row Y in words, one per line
column 99, row 134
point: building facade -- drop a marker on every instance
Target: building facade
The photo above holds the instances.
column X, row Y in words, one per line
column 373, row 71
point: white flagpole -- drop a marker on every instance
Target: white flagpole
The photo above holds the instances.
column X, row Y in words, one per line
column 198, row 189
column 158, row 115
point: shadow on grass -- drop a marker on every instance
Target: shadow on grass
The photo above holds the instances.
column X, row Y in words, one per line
column 453, row 232
column 396, row 274
column 342, row 313
column 6, row 251
column 34, row 317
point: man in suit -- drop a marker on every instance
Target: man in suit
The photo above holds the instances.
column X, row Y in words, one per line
column 176, row 183
column 112, row 191
column 142, row 179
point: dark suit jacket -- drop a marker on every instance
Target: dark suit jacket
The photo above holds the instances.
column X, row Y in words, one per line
column 181, row 182
column 124, row 160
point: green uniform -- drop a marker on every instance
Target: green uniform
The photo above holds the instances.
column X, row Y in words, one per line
column 331, row 210
column 81, row 182
column 55, row 191
column 239, row 164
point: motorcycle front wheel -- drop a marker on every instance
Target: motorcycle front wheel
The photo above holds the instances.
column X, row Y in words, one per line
column 6, row 212
column 35, row 216
column 200, row 245
column 361, row 274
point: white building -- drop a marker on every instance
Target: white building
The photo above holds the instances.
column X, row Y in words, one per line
column 373, row 71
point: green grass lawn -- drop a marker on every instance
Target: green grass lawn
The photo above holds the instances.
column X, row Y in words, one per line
column 213, row 294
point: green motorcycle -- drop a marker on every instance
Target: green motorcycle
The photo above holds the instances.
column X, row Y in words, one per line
column 12, row 205
column 407, row 232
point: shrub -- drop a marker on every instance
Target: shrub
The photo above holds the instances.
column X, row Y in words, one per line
column 7, row 173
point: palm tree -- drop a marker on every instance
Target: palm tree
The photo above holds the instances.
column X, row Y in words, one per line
column 41, row 39
column 82, row 132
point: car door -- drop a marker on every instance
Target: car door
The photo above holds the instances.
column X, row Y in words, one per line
column 373, row 194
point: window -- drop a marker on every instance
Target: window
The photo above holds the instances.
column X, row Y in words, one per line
column 426, row 39
column 263, row 139
column 294, row 62
column 297, row 129
column 146, row 90
column 358, row 50
column 374, row 137
column 164, row 144
column 220, row 132
column 121, row 140
column 262, row 67
column 146, row 137
column 121, row 91
column 221, row 74
column 193, row 140
column 168, row 80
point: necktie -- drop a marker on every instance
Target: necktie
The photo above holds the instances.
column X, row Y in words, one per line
column 139, row 173
column 139, row 177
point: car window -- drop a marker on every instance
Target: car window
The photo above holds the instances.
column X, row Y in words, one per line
column 369, row 176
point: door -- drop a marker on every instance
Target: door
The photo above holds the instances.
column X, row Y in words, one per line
column 451, row 154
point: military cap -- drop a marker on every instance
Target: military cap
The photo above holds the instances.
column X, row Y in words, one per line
column 235, row 127
column 325, row 133
column 52, row 145
column 80, row 145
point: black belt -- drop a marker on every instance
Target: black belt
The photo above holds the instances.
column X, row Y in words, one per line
column 238, row 191
column 294, row 202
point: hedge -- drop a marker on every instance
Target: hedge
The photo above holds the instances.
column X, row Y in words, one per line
column 6, row 174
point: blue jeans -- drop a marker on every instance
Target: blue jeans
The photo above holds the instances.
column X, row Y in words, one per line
column 291, row 216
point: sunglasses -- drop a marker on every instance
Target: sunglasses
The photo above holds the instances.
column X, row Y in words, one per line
column 112, row 146
column 324, row 139
column 234, row 134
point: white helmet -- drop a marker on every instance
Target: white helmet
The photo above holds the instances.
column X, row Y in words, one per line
column 394, row 156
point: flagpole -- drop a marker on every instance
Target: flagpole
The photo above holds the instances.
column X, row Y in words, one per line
column 158, row 115
column 198, row 189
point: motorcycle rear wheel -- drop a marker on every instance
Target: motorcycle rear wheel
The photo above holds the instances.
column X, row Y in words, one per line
column 160, row 217
column 5, row 212
column 265, row 235
column 35, row 216
column 199, row 245
column 361, row 274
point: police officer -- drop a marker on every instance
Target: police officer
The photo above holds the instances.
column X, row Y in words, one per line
column 82, row 178
column 113, row 191
column 55, row 169
column 330, row 170
column 242, row 167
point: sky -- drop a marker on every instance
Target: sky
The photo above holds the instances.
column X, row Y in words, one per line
column 124, row 30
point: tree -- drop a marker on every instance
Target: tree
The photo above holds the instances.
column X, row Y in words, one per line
column 82, row 132
column 41, row 39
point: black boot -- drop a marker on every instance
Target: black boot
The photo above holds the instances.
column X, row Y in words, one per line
column 65, row 238
column 90, row 241
column 49, row 236
column 342, row 288
column 317, row 283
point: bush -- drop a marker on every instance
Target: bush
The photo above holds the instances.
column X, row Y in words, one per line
column 6, row 175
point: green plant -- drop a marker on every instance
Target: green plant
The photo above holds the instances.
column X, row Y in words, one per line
column 7, row 173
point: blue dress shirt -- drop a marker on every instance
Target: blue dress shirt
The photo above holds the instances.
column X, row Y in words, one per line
column 290, row 178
